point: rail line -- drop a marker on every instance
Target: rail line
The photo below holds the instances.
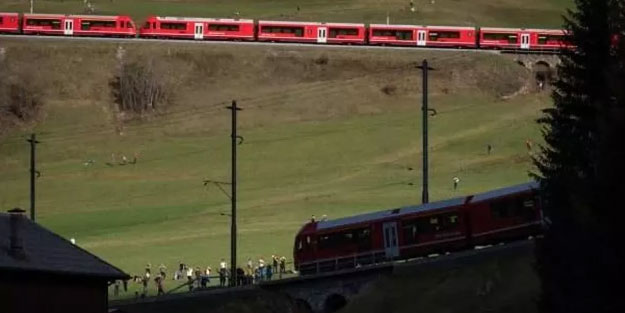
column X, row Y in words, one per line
column 248, row 43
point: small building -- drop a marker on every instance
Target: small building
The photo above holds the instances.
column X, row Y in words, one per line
column 42, row 272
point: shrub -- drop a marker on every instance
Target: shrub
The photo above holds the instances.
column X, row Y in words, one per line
column 140, row 87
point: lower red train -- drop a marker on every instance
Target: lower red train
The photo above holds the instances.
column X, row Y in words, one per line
column 283, row 31
column 455, row 224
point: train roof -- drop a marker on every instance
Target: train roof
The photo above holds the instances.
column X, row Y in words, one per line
column 503, row 192
column 44, row 15
column 8, row 13
column 200, row 19
column 311, row 23
column 388, row 213
column 394, row 26
column 432, row 206
column 501, row 29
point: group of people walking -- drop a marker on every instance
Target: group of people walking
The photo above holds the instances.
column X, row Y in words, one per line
column 196, row 278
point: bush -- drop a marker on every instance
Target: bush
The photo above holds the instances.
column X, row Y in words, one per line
column 140, row 87
column 389, row 90
column 21, row 96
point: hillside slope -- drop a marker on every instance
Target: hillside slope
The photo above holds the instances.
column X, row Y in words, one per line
column 327, row 131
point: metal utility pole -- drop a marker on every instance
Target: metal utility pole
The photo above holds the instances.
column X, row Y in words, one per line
column 33, row 143
column 31, row 6
column 425, row 112
column 233, row 195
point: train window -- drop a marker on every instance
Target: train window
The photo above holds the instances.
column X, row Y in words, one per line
column 154, row 25
column 224, row 27
column 146, row 25
column 550, row 39
column 298, row 31
column 403, row 35
column 334, row 32
column 499, row 36
column 359, row 237
column 449, row 221
column 299, row 245
column 54, row 24
column 411, row 231
column 1, row 20
column 177, row 26
column 522, row 207
column 86, row 25
column 436, row 35
column 384, row 32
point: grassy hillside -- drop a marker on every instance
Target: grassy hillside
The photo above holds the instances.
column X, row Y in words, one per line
column 530, row 13
column 320, row 138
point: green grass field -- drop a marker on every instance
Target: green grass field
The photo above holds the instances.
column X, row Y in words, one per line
column 512, row 13
column 319, row 139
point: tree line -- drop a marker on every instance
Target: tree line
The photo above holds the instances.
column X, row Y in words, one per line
column 581, row 167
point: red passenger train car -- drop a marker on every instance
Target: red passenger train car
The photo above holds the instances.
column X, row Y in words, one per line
column 9, row 23
column 408, row 232
column 78, row 25
column 423, row 36
column 523, row 39
column 197, row 28
column 335, row 33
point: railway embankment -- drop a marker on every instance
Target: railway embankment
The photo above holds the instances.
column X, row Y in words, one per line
column 493, row 279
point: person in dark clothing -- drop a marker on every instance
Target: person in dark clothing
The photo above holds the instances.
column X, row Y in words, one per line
column 282, row 266
column 275, row 262
column 159, row 284
column 269, row 272
column 240, row 277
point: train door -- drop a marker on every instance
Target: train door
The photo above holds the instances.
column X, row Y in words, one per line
column 68, row 28
column 322, row 34
column 391, row 248
column 525, row 41
column 421, row 38
column 199, row 31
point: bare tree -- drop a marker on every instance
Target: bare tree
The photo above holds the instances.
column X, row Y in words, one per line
column 21, row 95
column 140, row 87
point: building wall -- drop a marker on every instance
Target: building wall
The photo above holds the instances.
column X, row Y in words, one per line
column 29, row 293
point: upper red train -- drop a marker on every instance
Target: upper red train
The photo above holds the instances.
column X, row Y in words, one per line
column 286, row 31
column 460, row 223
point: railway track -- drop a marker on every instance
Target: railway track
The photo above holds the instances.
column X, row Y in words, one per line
column 234, row 43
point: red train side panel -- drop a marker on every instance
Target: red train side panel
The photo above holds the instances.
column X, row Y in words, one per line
column 197, row 28
column 523, row 39
column 78, row 25
column 333, row 33
column 450, row 36
column 289, row 31
column 9, row 23
column 396, row 35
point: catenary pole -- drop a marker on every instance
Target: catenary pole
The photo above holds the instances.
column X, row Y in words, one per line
column 425, row 113
column 233, row 196
column 33, row 143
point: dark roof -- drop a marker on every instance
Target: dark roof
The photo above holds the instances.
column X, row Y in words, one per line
column 504, row 191
column 46, row 251
column 368, row 217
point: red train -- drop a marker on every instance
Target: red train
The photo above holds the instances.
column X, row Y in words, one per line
column 285, row 31
column 197, row 28
column 408, row 232
column 77, row 25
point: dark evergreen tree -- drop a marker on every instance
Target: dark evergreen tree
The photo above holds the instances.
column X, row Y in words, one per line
column 581, row 168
